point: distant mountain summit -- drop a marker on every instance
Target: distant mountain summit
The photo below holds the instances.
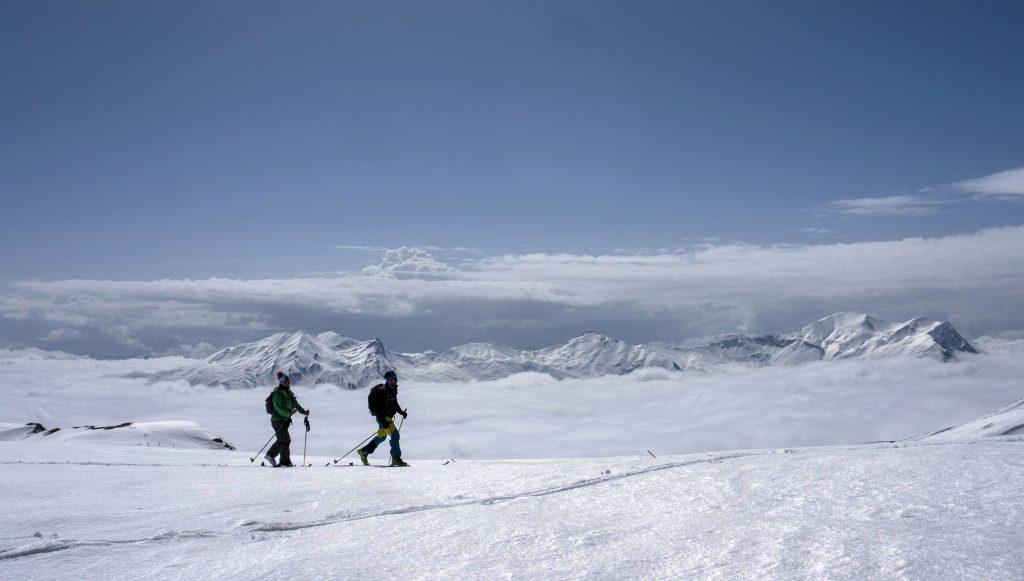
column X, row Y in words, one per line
column 351, row 363
column 324, row 358
column 848, row 335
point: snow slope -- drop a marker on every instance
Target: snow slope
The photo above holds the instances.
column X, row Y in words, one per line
column 903, row 511
column 166, row 434
column 1006, row 421
column 332, row 358
column 13, row 432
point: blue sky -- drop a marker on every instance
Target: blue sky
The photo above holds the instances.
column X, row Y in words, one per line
column 181, row 141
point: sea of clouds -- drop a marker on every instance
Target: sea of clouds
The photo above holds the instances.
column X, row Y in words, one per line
column 534, row 416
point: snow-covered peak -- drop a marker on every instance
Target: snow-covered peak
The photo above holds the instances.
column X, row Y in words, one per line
column 591, row 340
column 841, row 328
column 846, row 335
column 306, row 358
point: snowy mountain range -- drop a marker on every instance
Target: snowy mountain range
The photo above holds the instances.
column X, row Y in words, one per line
column 335, row 359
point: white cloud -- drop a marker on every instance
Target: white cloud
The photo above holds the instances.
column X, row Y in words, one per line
column 61, row 334
column 197, row 351
column 383, row 249
column 406, row 260
column 360, row 248
column 886, row 206
column 1005, row 185
column 817, row 231
column 1002, row 186
column 975, row 279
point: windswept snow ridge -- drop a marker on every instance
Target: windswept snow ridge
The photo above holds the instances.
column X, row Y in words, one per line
column 332, row 358
column 172, row 434
column 13, row 432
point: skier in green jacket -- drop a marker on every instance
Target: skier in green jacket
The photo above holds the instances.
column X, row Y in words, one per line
column 285, row 405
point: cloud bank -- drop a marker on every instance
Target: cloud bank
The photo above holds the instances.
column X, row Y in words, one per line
column 837, row 402
column 414, row 301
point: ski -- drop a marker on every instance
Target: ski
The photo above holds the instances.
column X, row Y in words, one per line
column 330, row 465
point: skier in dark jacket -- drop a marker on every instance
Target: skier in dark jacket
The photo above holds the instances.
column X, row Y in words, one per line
column 383, row 400
column 285, row 405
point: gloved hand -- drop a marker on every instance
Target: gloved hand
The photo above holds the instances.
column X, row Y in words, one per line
column 405, row 413
column 306, row 413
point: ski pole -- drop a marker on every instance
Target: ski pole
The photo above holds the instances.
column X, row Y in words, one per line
column 305, row 436
column 336, row 460
column 276, row 434
column 253, row 459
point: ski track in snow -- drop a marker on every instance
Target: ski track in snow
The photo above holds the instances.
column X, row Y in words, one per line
column 52, row 546
column 139, row 464
column 277, row 527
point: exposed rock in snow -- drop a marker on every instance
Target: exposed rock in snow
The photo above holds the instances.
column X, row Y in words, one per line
column 11, row 432
column 339, row 360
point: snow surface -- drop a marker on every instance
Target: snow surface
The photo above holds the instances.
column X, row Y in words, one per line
column 903, row 511
column 332, row 358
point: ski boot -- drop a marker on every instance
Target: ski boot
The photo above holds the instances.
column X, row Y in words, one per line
column 397, row 462
column 271, row 460
column 364, row 457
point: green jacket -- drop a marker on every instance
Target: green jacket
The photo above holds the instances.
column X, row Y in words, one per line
column 285, row 404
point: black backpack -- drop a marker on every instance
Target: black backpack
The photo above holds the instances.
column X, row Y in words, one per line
column 270, row 402
column 377, row 400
